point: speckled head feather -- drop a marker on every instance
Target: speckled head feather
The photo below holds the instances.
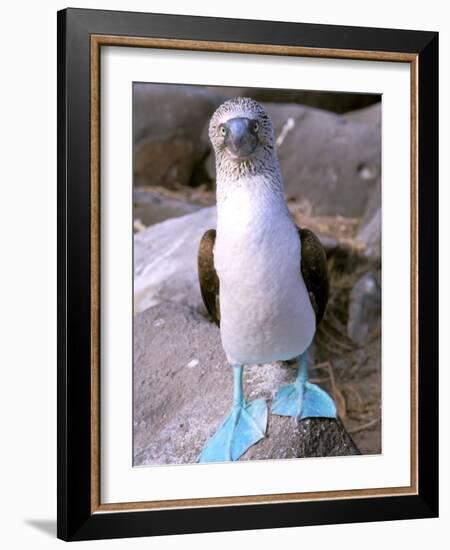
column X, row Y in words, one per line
column 263, row 158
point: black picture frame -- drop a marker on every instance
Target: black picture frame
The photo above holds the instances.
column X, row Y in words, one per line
column 76, row 518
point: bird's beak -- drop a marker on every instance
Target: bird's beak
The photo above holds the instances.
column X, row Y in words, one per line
column 240, row 139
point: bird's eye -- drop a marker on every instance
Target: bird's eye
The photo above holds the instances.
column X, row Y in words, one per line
column 255, row 126
column 222, row 130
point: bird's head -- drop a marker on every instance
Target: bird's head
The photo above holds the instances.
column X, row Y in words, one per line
column 241, row 130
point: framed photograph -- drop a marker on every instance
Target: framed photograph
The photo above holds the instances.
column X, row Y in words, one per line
column 247, row 286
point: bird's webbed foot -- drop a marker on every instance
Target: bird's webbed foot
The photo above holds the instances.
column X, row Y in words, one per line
column 302, row 399
column 244, row 426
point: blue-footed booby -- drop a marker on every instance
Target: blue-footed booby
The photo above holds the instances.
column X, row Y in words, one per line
column 263, row 279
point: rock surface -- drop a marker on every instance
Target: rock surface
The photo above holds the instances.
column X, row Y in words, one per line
column 329, row 162
column 337, row 102
column 183, row 389
column 150, row 208
column 365, row 308
column 167, row 125
column 367, row 115
column 165, row 261
column 369, row 235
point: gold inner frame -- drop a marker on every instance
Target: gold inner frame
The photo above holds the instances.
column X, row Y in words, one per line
column 97, row 41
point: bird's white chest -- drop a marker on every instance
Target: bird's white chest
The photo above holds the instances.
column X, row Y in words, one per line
column 266, row 313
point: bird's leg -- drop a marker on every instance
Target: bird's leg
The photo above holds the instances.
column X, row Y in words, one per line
column 244, row 426
column 303, row 399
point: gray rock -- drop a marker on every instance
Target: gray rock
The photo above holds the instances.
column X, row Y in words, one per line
column 365, row 308
column 369, row 230
column 369, row 235
column 367, row 115
column 183, row 390
column 165, row 260
column 336, row 102
column 167, row 124
column 151, row 208
column 331, row 162
column 312, row 437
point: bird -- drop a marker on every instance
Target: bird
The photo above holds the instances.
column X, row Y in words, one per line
column 263, row 280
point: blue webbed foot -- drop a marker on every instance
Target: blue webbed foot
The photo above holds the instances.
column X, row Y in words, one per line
column 303, row 402
column 243, row 427
column 302, row 399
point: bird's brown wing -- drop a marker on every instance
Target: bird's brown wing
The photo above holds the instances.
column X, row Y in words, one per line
column 207, row 276
column 314, row 271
